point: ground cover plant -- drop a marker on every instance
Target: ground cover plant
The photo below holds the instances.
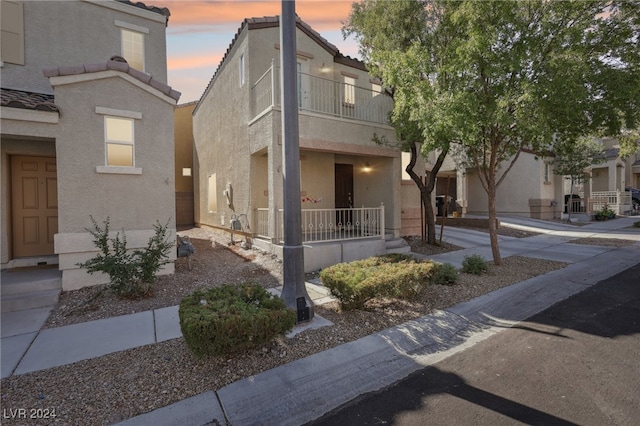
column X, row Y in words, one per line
column 393, row 275
column 231, row 318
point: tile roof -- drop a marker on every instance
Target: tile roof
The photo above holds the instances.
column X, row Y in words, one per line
column 27, row 100
column 161, row 10
column 116, row 63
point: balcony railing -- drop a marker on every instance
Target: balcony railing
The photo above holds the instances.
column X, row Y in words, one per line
column 322, row 225
column 323, row 96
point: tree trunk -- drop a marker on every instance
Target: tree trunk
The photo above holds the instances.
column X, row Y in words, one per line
column 493, row 224
column 426, row 190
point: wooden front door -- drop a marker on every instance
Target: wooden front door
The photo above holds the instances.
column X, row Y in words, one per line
column 34, row 205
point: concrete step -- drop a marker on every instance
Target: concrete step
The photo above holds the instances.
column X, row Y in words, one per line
column 10, row 287
column 397, row 245
column 29, row 288
column 23, row 301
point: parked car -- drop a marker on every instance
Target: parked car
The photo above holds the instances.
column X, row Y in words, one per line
column 635, row 197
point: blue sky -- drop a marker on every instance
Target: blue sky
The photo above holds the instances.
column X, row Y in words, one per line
column 200, row 32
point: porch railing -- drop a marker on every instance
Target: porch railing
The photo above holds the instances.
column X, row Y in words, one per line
column 322, row 225
column 618, row 201
column 323, row 96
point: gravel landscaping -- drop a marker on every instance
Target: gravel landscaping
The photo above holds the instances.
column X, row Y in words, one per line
column 125, row 384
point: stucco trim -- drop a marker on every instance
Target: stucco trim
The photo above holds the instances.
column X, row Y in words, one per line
column 80, row 78
column 130, row 9
column 132, row 27
column 20, row 114
column 119, row 113
column 119, row 170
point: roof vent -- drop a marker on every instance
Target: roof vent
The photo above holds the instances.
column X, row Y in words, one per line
column 118, row 59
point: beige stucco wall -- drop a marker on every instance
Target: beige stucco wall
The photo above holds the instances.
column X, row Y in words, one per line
column 133, row 202
column 221, row 141
column 183, row 149
column 524, row 183
column 79, row 32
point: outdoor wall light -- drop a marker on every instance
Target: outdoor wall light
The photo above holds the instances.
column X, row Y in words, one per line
column 324, row 69
column 366, row 168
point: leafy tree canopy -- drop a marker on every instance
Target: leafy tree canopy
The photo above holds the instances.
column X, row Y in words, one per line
column 500, row 76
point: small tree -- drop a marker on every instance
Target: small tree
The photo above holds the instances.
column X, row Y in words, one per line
column 573, row 159
column 131, row 273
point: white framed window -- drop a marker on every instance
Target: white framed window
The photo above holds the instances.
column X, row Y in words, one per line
column 349, row 90
column 241, row 69
column 119, row 141
column 133, row 48
column 376, row 89
column 12, row 32
column 186, row 171
column 547, row 172
column 212, row 199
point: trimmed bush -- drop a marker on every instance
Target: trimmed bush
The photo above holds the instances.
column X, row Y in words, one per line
column 636, row 224
column 445, row 274
column 474, row 264
column 393, row 275
column 229, row 319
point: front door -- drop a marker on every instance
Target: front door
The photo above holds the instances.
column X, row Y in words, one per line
column 344, row 192
column 34, row 201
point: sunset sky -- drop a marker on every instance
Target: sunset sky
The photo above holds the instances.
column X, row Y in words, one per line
column 200, row 32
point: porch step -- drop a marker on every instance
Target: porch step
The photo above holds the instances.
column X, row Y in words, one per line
column 21, row 302
column 29, row 288
column 397, row 245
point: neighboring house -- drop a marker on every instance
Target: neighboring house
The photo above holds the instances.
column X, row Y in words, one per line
column 183, row 137
column 87, row 130
column 531, row 189
column 350, row 187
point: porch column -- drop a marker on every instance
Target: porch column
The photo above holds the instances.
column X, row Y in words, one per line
column 461, row 191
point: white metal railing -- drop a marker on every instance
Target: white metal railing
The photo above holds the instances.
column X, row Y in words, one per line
column 618, row 201
column 324, row 96
column 322, row 225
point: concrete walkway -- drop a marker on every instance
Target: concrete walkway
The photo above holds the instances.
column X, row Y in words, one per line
column 303, row 390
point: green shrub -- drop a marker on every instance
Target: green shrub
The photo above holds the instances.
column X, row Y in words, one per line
column 131, row 273
column 605, row 214
column 474, row 264
column 228, row 319
column 636, row 224
column 393, row 275
column 445, row 274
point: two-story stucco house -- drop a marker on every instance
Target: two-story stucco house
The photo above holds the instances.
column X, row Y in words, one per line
column 87, row 130
column 350, row 186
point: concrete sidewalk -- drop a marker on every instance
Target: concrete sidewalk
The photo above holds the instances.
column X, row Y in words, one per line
column 306, row 389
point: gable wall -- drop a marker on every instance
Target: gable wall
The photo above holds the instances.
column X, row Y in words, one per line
column 59, row 33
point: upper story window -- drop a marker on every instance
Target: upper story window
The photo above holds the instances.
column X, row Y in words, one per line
column 12, row 32
column 376, row 89
column 349, row 90
column 133, row 48
column 132, row 43
column 241, row 69
column 119, row 140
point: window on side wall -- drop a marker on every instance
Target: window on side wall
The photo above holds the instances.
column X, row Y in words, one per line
column 376, row 89
column 547, row 173
column 119, row 141
column 241, row 69
column 133, row 48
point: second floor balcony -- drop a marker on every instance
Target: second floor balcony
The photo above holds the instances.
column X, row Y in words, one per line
column 324, row 96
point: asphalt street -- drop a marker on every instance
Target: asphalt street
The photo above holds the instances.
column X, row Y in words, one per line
column 578, row 362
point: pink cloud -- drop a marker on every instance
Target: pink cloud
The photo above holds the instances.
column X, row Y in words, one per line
column 194, row 61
